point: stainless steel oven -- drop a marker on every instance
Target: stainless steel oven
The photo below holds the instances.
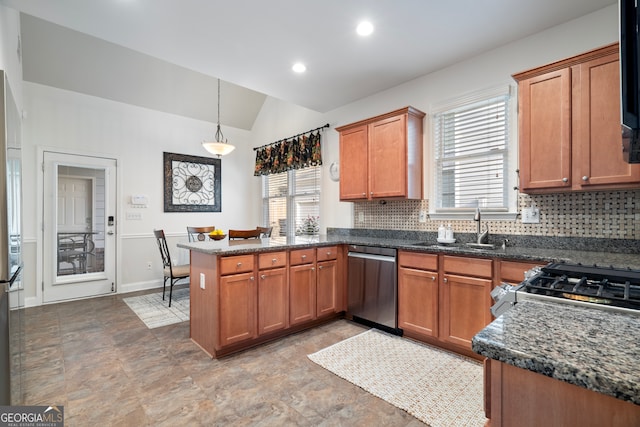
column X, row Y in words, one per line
column 372, row 287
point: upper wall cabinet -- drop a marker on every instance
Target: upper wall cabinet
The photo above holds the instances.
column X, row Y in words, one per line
column 381, row 157
column 569, row 125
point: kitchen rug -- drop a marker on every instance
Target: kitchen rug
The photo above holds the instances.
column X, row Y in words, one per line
column 155, row 312
column 439, row 388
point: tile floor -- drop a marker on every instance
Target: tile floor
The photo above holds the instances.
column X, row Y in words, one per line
column 101, row 362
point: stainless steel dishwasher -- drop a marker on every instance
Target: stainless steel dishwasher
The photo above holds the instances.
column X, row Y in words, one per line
column 372, row 292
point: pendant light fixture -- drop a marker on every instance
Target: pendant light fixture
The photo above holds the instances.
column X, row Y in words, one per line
column 219, row 147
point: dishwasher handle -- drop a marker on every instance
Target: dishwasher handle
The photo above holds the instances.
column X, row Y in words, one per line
column 371, row 256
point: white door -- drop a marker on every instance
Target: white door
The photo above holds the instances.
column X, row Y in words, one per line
column 79, row 226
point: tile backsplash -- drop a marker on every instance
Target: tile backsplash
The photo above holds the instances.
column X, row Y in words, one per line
column 604, row 214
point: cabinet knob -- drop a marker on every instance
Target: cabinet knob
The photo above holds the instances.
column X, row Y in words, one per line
column 565, row 179
column 304, row 256
column 445, row 280
column 239, row 264
column 263, row 277
column 273, row 261
column 329, row 253
column 371, row 193
column 364, row 194
column 252, row 278
column 585, row 178
column 313, row 269
column 319, row 267
column 434, row 278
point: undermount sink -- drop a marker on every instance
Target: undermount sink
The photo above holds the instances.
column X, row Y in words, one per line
column 433, row 245
column 487, row 246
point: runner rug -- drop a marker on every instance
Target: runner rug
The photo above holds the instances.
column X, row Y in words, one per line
column 439, row 388
column 155, row 312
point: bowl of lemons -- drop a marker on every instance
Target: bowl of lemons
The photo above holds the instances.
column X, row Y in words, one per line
column 217, row 234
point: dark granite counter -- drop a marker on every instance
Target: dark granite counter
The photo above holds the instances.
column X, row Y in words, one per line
column 600, row 254
column 591, row 348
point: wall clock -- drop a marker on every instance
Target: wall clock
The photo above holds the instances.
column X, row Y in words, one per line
column 192, row 183
column 334, row 171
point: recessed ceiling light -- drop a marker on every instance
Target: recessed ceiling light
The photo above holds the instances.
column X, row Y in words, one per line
column 299, row 67
column 364, row 28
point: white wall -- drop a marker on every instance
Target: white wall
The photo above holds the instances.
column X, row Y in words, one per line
column 481, row 72
column 10, row 62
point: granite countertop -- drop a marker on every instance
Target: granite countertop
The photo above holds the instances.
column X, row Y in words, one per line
column 591, row 348
column 520, row 252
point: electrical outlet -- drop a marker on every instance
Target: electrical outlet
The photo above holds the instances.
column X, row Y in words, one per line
column 422, row 216
column 360, row 216
column 531, row 215
column 148, row 265
column 202, row 280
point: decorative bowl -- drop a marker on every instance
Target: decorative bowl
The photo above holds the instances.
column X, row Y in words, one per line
column 217, row 236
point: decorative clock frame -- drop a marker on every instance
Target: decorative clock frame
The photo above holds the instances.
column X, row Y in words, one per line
column 192, row 183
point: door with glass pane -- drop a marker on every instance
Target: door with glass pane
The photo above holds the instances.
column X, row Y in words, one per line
column 79, row 226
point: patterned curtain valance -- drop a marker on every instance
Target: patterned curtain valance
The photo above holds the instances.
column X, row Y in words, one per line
column 296, row 152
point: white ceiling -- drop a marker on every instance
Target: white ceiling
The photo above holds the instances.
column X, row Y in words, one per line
column 252, row 44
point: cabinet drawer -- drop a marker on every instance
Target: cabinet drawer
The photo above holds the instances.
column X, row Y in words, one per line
column 272, row 259
column 417, row 260
column 476, row 267
column 327, row 253
column 236, row 264
column 513, row 271
column 302, row 256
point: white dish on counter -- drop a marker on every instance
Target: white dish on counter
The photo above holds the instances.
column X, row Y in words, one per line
column 446, row 241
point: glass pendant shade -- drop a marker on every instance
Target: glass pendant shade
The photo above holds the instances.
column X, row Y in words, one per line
column 218, row 148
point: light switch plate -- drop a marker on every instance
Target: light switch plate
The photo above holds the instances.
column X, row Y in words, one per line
column 531, row 215
column 422, row 216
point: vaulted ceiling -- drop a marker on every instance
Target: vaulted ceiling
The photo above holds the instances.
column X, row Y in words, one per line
column 167, row 55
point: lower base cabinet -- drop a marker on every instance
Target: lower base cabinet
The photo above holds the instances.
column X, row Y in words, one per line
column 527, row 399
column 239, row 301
column 444, row 299
column 237, row 318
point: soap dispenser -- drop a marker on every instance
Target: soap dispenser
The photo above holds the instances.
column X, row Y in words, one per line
column 449, row 232
column 442, row 232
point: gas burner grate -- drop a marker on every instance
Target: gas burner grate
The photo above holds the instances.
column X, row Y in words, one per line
column 601, row 285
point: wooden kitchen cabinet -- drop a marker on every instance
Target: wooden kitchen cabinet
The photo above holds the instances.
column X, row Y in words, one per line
column 512, row 272
column 302, row 286
column 569, row 126
column 273, row 292
column 327, row 280
column 381, row 157
column 418, row 293
column 237, row 318
column 465, row 298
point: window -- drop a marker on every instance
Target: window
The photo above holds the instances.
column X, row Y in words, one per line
column 472, row 155
column 289, row 198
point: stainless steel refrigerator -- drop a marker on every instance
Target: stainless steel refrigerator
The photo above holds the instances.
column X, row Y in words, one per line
column 11, row 288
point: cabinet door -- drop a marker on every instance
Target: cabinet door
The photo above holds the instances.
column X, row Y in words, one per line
column 418, row 301
column 353, row 163
column 465, row 309
column 544, row 122
column 273, row 300
column 327, row 288
column 388, row 157
column 302, row 293
column 237, row 308
column 597, row 140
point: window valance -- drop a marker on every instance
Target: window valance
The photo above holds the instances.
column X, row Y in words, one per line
column 296, row 152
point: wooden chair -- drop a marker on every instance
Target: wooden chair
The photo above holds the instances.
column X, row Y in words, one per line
column 265, row 231
column 171, row 272
column 199, row 234
column 245, row 234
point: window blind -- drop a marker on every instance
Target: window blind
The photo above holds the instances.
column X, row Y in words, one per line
column 472, row 155
column 290, row 199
